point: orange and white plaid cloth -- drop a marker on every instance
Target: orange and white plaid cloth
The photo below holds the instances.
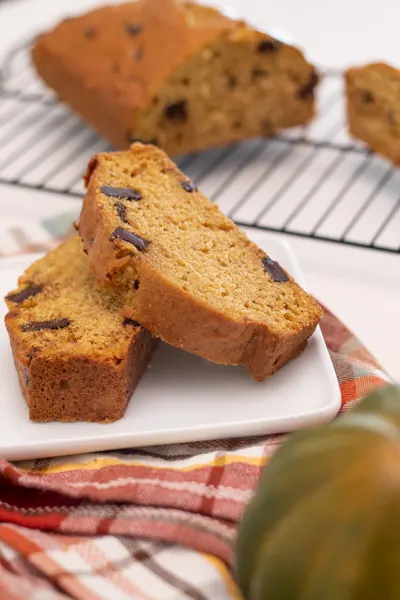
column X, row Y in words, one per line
column 148, row 524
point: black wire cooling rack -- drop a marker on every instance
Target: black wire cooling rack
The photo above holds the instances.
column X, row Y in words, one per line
column 313, row 182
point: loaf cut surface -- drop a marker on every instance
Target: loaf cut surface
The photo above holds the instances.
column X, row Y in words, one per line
column 76, row 357
column 182, row 76
column 373, row 107
column 184, row 270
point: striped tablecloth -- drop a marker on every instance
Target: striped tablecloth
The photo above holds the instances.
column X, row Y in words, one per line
column 154, row 523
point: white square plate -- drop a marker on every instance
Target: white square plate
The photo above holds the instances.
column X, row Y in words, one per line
column 181, row 397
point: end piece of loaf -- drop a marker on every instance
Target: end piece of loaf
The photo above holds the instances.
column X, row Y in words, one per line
column 76, row 357
column 373, row 108
column 182, row 76
column 184, row 270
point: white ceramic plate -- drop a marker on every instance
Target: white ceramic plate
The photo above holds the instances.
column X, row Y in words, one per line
column 181, row 397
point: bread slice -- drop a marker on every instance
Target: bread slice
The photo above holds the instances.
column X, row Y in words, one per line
column 184, row 270
column 373, row 108
column 180, row 75
column 76, row 357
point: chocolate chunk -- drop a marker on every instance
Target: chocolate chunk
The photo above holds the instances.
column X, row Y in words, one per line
column 133, row 29
column 126, row 193
column 258, row 74
column 115, row 68
column 121, row 211
column 136, row 284
column 266, row 46
column 188, row 186
column 307, row 90
column 232, row 80
column 274, row 269
column 368, row 97
column 130, row 322
column 39, row 325
column 127, row 236
column 139, row 54
column 90, row 32
column 28, row 292
column 177, row 111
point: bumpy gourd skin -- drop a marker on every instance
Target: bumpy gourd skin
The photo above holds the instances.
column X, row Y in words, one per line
column 325, row 521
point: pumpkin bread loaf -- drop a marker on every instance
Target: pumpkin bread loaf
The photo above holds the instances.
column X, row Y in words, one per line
column 373, row 107
column 76, row 357
column 182, row 76
column 184, row 270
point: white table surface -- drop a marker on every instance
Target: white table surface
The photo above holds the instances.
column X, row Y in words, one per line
column 361, row 286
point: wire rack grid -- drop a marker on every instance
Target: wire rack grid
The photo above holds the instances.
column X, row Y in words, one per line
column 314, row 182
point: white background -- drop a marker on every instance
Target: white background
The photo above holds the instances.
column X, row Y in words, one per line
column 361, row 286
column 335, row 33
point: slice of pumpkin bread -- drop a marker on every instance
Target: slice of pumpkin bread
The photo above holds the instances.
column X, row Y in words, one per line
column 373, row 108
column 184, row 270
column 76, row 357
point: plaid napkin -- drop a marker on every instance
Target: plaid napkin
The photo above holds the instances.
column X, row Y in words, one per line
column 154, row 523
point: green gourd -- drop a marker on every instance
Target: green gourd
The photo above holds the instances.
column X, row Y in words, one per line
column 324, row 523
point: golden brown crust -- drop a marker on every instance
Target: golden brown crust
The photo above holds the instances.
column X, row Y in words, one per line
column 73, row 373
column 85, row 79
column 197, row 322
column 122, row 58
column 177, row 29
column 373, row 108
column 79, row 389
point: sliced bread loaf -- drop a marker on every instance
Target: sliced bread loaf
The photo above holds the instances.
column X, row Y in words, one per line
column 182, row 75
column 76, row 357
column 184, row 270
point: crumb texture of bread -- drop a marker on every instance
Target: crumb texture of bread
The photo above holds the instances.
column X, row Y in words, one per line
column 76, row 357
column 373, row 108
column 184, row 270
column 180, row 75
